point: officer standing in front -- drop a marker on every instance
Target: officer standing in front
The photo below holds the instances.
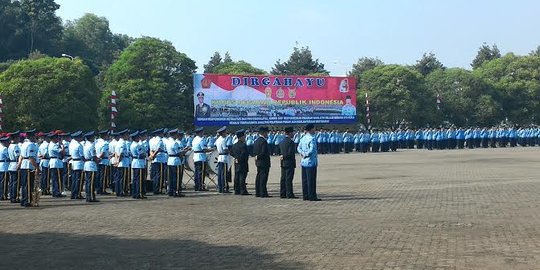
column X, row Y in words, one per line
column 240, row 152
column 90, row 167
column 14, row 153
column 138, row 164
column 199, row 157
column 261, row 150
column 56, row 165
column 223, row 159
column 77, row 165
column 29, row 168
column 288, row 164
column 308, row 150
column 4, row 164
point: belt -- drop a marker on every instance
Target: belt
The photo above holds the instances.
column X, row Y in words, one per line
column 12, row 160
column 44, row 158
column 76, row 159
column 56, row 158
column 177, row 155
column 223, row 154
column 139, row 157
column 198, row 152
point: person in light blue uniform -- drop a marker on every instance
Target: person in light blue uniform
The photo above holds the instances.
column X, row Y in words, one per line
column 4, row 165
column 384, row 141
column 76, row 152
column 56, row 165
column 319, row 138
column 270, row 140
column 43, row 156
column 158, row 157
column 14, row 152
column 308, row 151
column 90, row 167
column 375, row 141
column 296, row 139
column 174, row 163
column 66, row 177
column 512, row 137
column 29, row 168
column 122, row 154
column 348, row 141
column 365, row 141
column 393, row 141
column 460, row 138
column 104, row 176
column 138, row 165
column 356, row 140
column 250, row 140
column 452, row 139
column 484, row 137
column 419, row 138
column 277, row 139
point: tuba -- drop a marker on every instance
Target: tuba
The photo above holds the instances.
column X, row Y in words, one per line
column 36, row 193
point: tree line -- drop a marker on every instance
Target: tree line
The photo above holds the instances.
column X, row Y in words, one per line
column 42, row 86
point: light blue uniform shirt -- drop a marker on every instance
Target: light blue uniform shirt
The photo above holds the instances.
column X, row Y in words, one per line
column 173, row 150
column 156, row 144
column 138, row 155
column 89, row 155
column 198, row 147
column 43, row 151
column 122, row 151
column 4, row 159
column 14, row 151
column 102, row 147
column 54, row 155
column 308, row 149
column 76, row 152
column 28, row 150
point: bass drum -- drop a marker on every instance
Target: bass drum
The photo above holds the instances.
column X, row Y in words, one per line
column 212, row 162
column 190, row 163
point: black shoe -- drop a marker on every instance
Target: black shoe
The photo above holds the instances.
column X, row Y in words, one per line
column 15, row 201
column 180, row 195
column 105, row 193
column 316, row 200
column 266, row 196
column 92, row 200
column 80, row 198
column 226, row 191
column 245, row 193
column 283, row 197
column 292, row 197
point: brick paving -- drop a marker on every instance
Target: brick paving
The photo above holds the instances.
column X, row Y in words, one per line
column 470, row 209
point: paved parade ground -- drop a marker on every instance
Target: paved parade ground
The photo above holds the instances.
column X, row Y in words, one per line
column 466, row 209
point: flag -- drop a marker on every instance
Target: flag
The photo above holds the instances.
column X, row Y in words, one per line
column 114, row 110
column 439, row 101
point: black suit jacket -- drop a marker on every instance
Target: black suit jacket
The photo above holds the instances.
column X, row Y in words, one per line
column 240, row 152
column 288, row 152
column 261, row 152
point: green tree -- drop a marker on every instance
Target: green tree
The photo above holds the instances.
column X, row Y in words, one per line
column 42, row 27
column 515, row 81
column 460, row 92
column 13, row 42
column 240, row 67
column 364, row 64
column 227, row 58
column 300, row 62
column 91, row 39
column 49, row 93
column 154, row 85
column 397, row 96
column 535, row 52
column 485, row 54
column 428, row 64
column 215, row 61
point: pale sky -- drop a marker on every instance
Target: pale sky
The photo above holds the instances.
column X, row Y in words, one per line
column 337, row 32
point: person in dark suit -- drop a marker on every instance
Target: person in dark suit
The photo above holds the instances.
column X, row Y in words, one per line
column 240, row 153
column 261, row 151
column 288, row 164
